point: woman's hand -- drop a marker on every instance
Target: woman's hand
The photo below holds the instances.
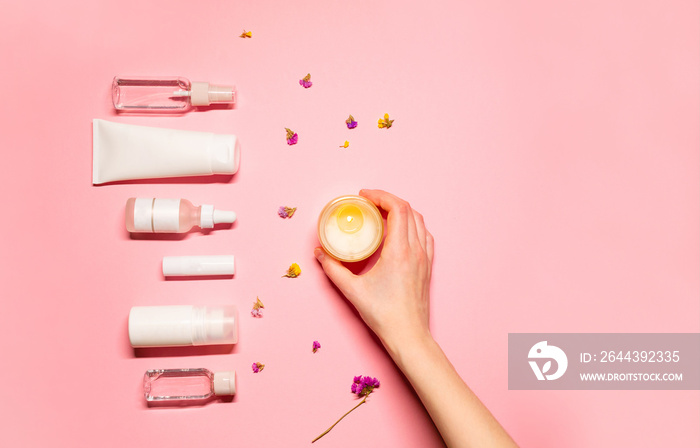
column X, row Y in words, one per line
column 393, row 298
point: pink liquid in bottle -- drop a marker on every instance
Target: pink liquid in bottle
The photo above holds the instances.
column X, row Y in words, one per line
column 152, row 215
column 187, row 384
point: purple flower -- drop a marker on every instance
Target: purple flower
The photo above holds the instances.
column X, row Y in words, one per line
column 316, row 346
column 286, row 212
column 364, row 385
column 258, row 306
column 257, row 367
column 292, row 137
column 351, row 123
column 361, row 386
column 306, row 81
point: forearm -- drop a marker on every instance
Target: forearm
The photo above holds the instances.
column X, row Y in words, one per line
column 463, row 421
column 394, row 301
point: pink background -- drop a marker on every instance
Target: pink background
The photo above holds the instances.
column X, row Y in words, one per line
column 552, row 147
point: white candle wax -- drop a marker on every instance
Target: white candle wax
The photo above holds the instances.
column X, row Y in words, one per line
column 350, row 228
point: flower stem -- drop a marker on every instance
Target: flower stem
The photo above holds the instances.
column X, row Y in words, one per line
column 338, row 421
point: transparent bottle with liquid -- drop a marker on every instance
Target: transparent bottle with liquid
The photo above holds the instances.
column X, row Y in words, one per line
column 166, row 94
column 187, row 384
column 153, row 215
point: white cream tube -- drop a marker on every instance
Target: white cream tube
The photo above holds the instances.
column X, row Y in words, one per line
column 127, row 152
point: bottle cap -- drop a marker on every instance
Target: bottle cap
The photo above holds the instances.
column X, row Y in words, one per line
column 204, row 94
column 224, row 154
column 222, row 216
column 199, row 265
column 182, row 325
column 209, row 217
column 225, row 383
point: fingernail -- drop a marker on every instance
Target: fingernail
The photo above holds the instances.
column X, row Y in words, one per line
column 318, row 253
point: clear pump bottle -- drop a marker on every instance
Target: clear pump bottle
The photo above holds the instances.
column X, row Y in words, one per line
column 152, row 215
column 187, row 384
column 166, row 94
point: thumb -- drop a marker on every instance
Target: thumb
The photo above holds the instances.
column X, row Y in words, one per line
column 339, row 274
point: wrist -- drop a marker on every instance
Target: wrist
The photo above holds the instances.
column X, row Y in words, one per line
column 402, row 347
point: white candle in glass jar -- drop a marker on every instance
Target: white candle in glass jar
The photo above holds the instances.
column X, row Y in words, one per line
column 350, row 228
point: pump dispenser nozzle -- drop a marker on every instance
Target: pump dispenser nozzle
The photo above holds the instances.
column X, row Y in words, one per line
column 204, row 94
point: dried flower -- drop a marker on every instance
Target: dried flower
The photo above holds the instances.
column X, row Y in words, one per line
column 362, row 386
column 316, row 346
column 351, row 123
column 344, row 145
column 257, row 367
column 292, row 137
column 257, row 310
column 246, row 34
column 385, row 122
column 306, row 81
column 293, row 271
column 286, row 212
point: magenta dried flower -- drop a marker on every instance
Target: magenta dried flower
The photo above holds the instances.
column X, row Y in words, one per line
column 306, row 81
column 257, row 367
column 292, row 137
column 362, row 386
column 351, row 123
column 316, row 346
column 286, row 212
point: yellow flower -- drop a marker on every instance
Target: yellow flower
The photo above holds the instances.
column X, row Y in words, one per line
column 345, row 145
column 246, row 34
column 385, row 122
column 293, row 271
